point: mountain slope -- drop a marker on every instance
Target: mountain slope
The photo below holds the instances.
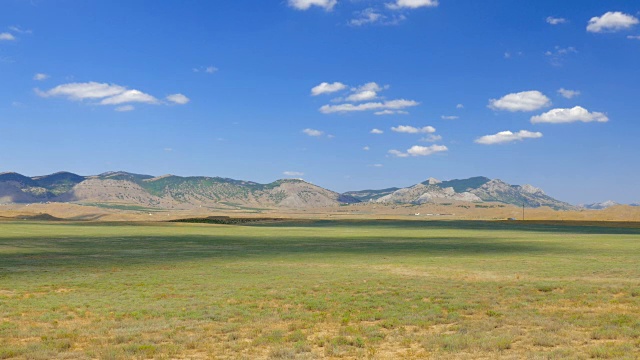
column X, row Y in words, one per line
column 475, row 189
column 168, row 191
column 369, row 195
column 527, row 195
column 421, row 193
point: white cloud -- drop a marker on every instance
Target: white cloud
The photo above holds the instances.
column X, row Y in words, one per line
column 568, row 93
column 611, row 22
column 107, row 94
column 81, row 91
column 391, row 112
column 178, row 99
column 412, row 4
column 459, row 106
column 313, row 132
column 293, row 173
column 366, row 148
column 578, row 113
column 366, row 16
column 129, row 96
column 507, row 136
column 371, row 16
column 377, row 165
column 362, row 96
column 431, row 138
column 418, row 150
column 555, row 21
column 522, row 101
column 413, row 130
column 125, row 108
column 168, row 149
column 306, row 4
column 633, row 37
column 449, row 117
column 7, row 37
column 398, row 153
column 326, row 88
column 40, row 77
column 370, row 106
column 368, row 91
column 376, row 131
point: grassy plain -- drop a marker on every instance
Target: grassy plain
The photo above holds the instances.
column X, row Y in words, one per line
column 319, row 289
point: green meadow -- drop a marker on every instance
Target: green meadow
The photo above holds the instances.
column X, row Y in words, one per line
column 319, row 289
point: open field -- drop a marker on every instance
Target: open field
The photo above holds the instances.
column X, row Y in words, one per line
column 430, row 211
column 320, row 289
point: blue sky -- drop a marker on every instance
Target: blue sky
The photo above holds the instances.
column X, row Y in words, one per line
column 262, row 90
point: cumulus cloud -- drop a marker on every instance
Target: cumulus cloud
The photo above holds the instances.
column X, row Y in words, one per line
column 5, row 36
column 522, row 101
column 377, row 165
column 107, row 94
column 411, row 4
column 376, row 131
column 449, row 117
column 578, row 113
column 418, row 150
column 293, row 173
column 431, row 138
column 507, row 137
column 178, row 99
column 125, row 108
column 313, row 132
column 366, row 148
column 459, row 106
column 611, row 21
column 368, row 91
column 370, row 106
column 306, row 4
column 555, row 20
column 40, row 77
column 569, row 94
column 633, row 37
column 327, row 88
column 413, row 130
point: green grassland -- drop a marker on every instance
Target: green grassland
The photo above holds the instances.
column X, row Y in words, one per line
column 319, row 289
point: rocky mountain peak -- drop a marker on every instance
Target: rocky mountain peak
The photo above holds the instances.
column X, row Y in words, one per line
column 432, row 181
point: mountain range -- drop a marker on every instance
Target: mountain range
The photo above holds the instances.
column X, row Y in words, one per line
column 170, row 191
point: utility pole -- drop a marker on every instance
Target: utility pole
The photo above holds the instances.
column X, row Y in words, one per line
column 523, row 211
